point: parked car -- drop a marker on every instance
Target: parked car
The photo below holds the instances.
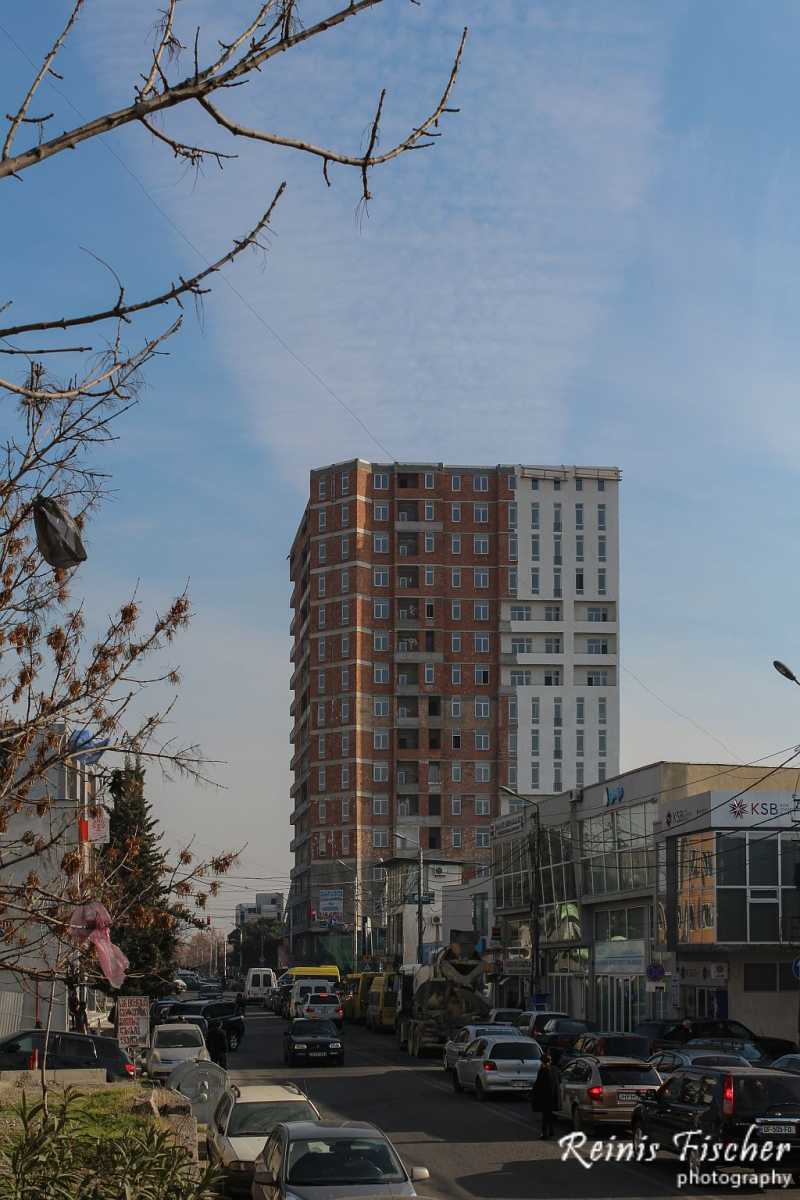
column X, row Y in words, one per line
column 312, row 1041
column 667, row 1062
column 242, row 1122
column 750, row 1051
column 161, row 1010
column 532, row 1023
column 724, row 1102
column 604, row 1090
column 224, row 1011
column 325, row 1005
column 460, row 1040
column 609, row 1045
column 316, row 1161
column 559, row 1034
column 497, row 1064
column 209, row 991
column 65, row 1051
column 787, row 1062
column 676, row 1034
column 258, row 983
column 173, row 1044
column 504, row 1016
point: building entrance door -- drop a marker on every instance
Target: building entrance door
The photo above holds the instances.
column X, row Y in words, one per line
column 619, row 1002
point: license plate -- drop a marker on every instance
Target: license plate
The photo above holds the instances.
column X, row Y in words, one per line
column 520, row 1083
column 627, row 1097
column 785, row 1130
column 316, row 1054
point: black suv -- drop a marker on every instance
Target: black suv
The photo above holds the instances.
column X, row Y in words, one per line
column 720, row 1027
column 561, row 1033
column 65, row 1051
column 222, row 1011
column 723, row 1103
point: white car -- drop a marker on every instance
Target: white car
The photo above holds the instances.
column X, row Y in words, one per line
column 242, row 1122
column 497, row 1064
column 173, row 1044
column 302, row 990
column 460, row 1040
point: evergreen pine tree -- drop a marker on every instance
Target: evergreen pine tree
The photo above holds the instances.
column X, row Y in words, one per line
column 145, row 924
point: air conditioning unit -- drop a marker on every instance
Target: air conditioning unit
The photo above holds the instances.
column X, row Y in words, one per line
column 439, row 871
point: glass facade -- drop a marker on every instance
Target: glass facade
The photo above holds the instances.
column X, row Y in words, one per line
column 560, row 913
column 618, row 854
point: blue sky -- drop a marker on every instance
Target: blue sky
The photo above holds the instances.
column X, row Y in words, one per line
column 596, row 263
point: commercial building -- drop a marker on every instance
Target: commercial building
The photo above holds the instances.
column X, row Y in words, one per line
column 455, row 629
column 668, row 891
column 268, row 906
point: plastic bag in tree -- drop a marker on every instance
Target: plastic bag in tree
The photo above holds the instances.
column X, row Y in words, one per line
column 57, row 535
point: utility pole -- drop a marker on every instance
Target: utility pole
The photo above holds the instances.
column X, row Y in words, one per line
column 420, row 926
column 534, row 848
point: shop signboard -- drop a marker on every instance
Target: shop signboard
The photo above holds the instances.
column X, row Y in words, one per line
column 331, row 903
column 133, row 1023
column 624, row 957
column 728, row 810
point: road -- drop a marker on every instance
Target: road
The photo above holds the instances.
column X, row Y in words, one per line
column 473, row 1151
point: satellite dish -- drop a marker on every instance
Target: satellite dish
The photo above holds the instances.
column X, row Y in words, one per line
column 202, row 1083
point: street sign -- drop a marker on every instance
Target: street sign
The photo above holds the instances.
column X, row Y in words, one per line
column 133, row 1023
column 796, row 968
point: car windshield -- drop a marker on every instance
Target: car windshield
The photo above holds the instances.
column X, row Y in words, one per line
column 560, row 1026
column 716, row 1060
column 259, row 1117
column 631, row 1047
column 312, row 1028
column 628, row 1075
column 175, row 1039
column 742, row 1049
column 341, row 1161
column 191, row 1009
column 760, row 1093
column 789, row 1062
column 518, row 1051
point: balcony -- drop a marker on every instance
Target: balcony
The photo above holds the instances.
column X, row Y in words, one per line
column 407, row 510
column 408, row 577
column 407, row 614
column 407, row 807
column 407, row 781
column 408, row 739
column 408, row 545
column 408, row 711
column 408, row 677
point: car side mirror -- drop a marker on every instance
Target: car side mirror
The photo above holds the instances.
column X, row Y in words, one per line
column 264, row 1176
column 420, row 1174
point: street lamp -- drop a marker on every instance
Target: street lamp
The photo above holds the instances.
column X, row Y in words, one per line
column 404, row 837
column 785, row 671
column 534, row 844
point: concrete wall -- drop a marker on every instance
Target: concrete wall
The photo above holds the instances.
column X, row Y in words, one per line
column 774, row 1014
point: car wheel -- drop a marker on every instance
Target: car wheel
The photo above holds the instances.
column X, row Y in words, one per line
column 233, row 1041
column 480, row 1092
column 444, row 1062
column 457, row 1087
column 638, row 1136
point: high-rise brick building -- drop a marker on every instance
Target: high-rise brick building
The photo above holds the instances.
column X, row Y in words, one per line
column 455, row 629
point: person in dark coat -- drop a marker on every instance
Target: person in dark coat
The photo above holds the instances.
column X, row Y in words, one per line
column 217, row 1045
column 544, row 1095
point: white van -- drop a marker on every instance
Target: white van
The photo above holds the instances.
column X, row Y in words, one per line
column 258, row 982
column 301, row 990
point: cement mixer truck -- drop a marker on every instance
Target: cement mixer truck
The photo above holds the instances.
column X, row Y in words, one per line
column 439, row 997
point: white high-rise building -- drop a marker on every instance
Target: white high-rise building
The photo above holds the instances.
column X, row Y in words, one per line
column 560, row 636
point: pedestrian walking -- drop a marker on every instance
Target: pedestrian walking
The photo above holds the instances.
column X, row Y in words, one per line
column 82, row 1018
column 240, row 1005
column 217, row 1044
column 544, row 1095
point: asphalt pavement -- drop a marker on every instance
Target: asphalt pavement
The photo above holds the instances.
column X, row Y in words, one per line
column 473, row 1150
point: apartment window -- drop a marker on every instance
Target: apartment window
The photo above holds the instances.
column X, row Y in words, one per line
column 380, row 512
column 481, row 513
column 322, row 518
column 483, row 772
column 512, row 743
column 430, row 576
column 513, row 549
column 601, row 583
column 552, row 612
column 455, row 707
column 429, row 479
column 512, row 583
column 598, row 614
column 482, row 708
column 480, row 610
column 380, row 576
column 321, row 746
column 455, row 772
column 455, row 839
column 455, row 578
column 512, row 516
column 380, row 673
column 558, row 711
column 556, row 485
column 552, row 678
column 345, row 843
column 345, row 612
column 511, row 482
column 481, row 740
column 534, row 777
column 480, row 483
column 344, row 581
column 557, row 557
column 321, row 616
column 323, row 488
column 380, row 482
column 579, row 549
column 380, row 609
column 344, row 484
column 481, row 643
column 345, row 778
column 578, row 485
column 455, row 543
column 534, row 710
column 429, row 610
column 520, row 679
column 480, row 544
column 321, row 585
column 321, row 648
column 579, row 774
column 597, row 678
column 455, row 673
column 380, row 640
column 321, row 779
column 557, row 781
column 320, row 714
column 601, row 485
column 602, row 742
column 455, row 483
column 535, row 547
column 596, row 646
column 345, row 710
column 482, row 676
column 345, row 809
column 428, row 510
column 455, row 513
column 380, row 739
column 557, row 748
column 482, row 806
column 345, row 743
column 344, row 547
column 520, row 612
column 553, row 645
column 579, row 743
column 455, row 643
column 344, row 514
column 535, row 515
column 601, row 516
column 322, row 845
column 380, row 706
column 430, row 673
column 601, row 549
column 534, row 485
column 601, row 772
column 579, row 516
column 429, row 543
column 535, row 743
column 455, row 739
column 521, row 645
column 534, row 581
column 579, row 582
column 580, row 708
column 556, row 518
column 481, row 839
column 380, row 543
column 345, row 678
column 602, row 708
column 557, row 583
column 480, row 578
column 380, row 839
column 380, row 772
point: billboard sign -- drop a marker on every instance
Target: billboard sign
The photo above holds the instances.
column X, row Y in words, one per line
column 331, row 903
column 133, row 1022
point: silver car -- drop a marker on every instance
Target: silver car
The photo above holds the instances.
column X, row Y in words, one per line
column 668, row 1061
column 497, row 1064
column 307, row 1161
column 460, row 1040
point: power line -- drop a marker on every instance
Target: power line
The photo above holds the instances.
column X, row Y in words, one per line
column 678, row 713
